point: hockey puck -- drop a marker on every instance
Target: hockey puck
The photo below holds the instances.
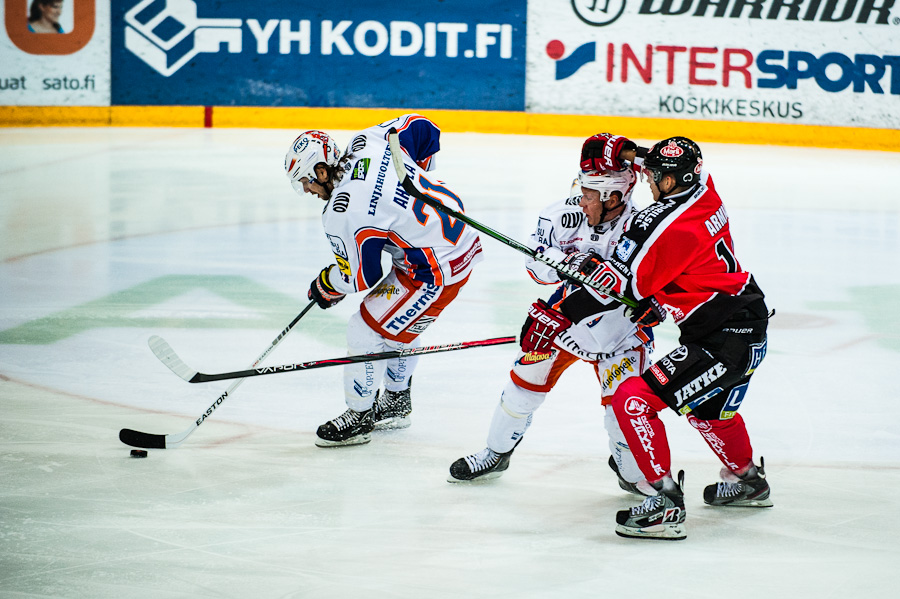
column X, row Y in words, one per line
column 138, row 453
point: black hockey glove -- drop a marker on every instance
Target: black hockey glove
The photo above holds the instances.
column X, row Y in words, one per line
column 648, row 313
column 322, row 292
column 582, row 263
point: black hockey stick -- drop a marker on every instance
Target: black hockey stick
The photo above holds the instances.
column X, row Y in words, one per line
column 410, row 188
column 152, row 441
column 168, row 357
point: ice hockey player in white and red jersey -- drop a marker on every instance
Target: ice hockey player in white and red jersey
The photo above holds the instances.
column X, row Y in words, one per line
column 367, row 212
column 579, row 232
column 677, row 255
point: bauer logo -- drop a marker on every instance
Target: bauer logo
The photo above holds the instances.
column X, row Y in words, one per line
column 167, row 35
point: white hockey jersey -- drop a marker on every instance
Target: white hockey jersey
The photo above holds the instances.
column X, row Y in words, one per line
column 599, row 329
column 369, row 213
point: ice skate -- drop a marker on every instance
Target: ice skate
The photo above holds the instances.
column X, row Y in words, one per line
column 641, row 488
column 659, row 517
column 487, row 464
column 751, row 490
column 392, row 409
column 350, row 428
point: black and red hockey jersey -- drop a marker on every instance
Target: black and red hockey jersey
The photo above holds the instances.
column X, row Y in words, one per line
column 679, row 250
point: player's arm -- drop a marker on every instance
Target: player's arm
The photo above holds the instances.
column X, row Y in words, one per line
column 606, row 151
column 418, row 135
column 543, row 239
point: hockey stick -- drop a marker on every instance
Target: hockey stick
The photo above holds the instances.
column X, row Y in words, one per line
column 410, row 188
column 168, row 356
column 152, row 441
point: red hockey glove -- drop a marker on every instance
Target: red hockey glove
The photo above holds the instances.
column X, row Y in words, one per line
column 648, row 313
column 541, row 327
column 581, row 262
column 322, row 292
column 601, row 152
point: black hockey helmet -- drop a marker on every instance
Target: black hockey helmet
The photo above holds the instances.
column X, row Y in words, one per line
column 676, row 156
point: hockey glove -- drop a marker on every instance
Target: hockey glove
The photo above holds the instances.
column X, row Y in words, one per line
column 601, row 152
column 582, row 263
column 322, row 292
column 541, row 327
column 648, row 312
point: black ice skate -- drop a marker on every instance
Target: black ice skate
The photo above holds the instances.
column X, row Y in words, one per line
column 641, row 488
column 484, row 465
column 659, row 517
column 350, row 428
column 392, row 409
column 751, row 490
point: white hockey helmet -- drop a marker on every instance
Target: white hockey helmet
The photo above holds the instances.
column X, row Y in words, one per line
column 608, row 182
column 308, row 150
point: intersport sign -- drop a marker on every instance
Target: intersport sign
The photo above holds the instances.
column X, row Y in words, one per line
column 812, row 62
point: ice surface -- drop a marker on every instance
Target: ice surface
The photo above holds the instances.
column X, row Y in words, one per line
column 112, row 235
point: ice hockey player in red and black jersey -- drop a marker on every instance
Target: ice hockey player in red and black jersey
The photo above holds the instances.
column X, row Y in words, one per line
column 676, row 256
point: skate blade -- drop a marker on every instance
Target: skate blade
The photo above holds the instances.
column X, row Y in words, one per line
column 746, row 503
column 357, row 440
column 477, row 480
column 389, row 424
column 669, row 532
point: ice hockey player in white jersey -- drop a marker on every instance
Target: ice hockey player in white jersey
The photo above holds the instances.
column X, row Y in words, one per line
column 367, row 212
column 572, row 325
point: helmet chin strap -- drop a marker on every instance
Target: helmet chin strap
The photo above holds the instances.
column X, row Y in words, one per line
column 606, row 213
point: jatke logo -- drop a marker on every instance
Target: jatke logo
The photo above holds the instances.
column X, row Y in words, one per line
column 168, row 39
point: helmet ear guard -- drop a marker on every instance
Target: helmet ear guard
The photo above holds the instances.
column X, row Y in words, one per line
column 310, row 149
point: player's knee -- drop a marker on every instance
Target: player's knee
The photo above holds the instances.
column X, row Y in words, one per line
column 519, row 401
column 361, row 339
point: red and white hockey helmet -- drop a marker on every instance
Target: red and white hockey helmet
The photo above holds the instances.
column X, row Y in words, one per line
column 608, row 182
column 308, row 150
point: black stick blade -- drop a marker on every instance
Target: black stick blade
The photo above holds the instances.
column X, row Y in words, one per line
column 139, row 439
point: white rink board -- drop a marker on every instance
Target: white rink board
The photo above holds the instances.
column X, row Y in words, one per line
column 765, row 69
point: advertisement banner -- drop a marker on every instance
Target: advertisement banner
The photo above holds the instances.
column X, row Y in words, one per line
column 810, row 62
column 464, row 54
column 54, row 53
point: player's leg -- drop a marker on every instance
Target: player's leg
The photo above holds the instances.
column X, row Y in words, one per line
column 662, row 515
column 399, row 309
column 744, row 483
column 361, row 389
column 611, row 373
column 741, row 348
column 531, row 378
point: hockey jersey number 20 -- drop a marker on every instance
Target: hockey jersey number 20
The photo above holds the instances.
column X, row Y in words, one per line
column 369, row 213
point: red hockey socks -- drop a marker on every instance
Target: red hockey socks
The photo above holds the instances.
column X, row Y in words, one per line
column 636, row 407
column 729, row 441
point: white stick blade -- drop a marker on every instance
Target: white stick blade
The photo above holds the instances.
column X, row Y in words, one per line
column 167, row 356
